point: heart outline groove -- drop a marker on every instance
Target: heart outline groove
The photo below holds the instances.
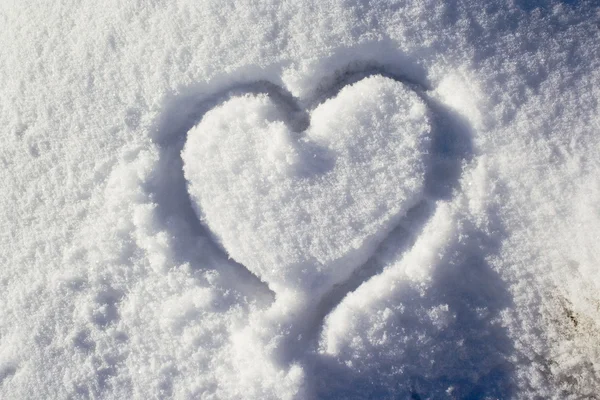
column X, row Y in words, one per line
column 303, row 212
column 297, row 319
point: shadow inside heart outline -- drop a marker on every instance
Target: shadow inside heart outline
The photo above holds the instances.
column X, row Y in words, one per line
column 247, row 174
column 168, row 187
column 451, row 144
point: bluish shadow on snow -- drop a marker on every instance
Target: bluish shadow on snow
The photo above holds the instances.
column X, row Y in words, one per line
column 451, row 140
column 530, row 5
column 450, row 148
column 468, row 359
column 191, row 239
column 168, row 188
column 331, row 86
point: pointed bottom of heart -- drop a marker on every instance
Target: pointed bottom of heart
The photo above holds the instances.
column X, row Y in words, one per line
column 270, row 349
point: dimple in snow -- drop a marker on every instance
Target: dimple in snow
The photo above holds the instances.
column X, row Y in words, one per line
column 302, row 212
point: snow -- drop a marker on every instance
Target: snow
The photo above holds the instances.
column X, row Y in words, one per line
column 442, row 157
column 302, row 213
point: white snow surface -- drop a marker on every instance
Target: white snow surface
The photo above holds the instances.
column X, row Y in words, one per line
column 303, row 212
column 300, row 200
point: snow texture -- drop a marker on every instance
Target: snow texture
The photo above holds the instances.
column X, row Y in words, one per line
column 319, row 199
column 302, row 212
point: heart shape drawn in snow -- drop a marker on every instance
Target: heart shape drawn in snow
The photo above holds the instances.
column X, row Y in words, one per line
column 303, row 210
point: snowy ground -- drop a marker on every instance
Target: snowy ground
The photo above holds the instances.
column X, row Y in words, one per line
column 313, row 199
